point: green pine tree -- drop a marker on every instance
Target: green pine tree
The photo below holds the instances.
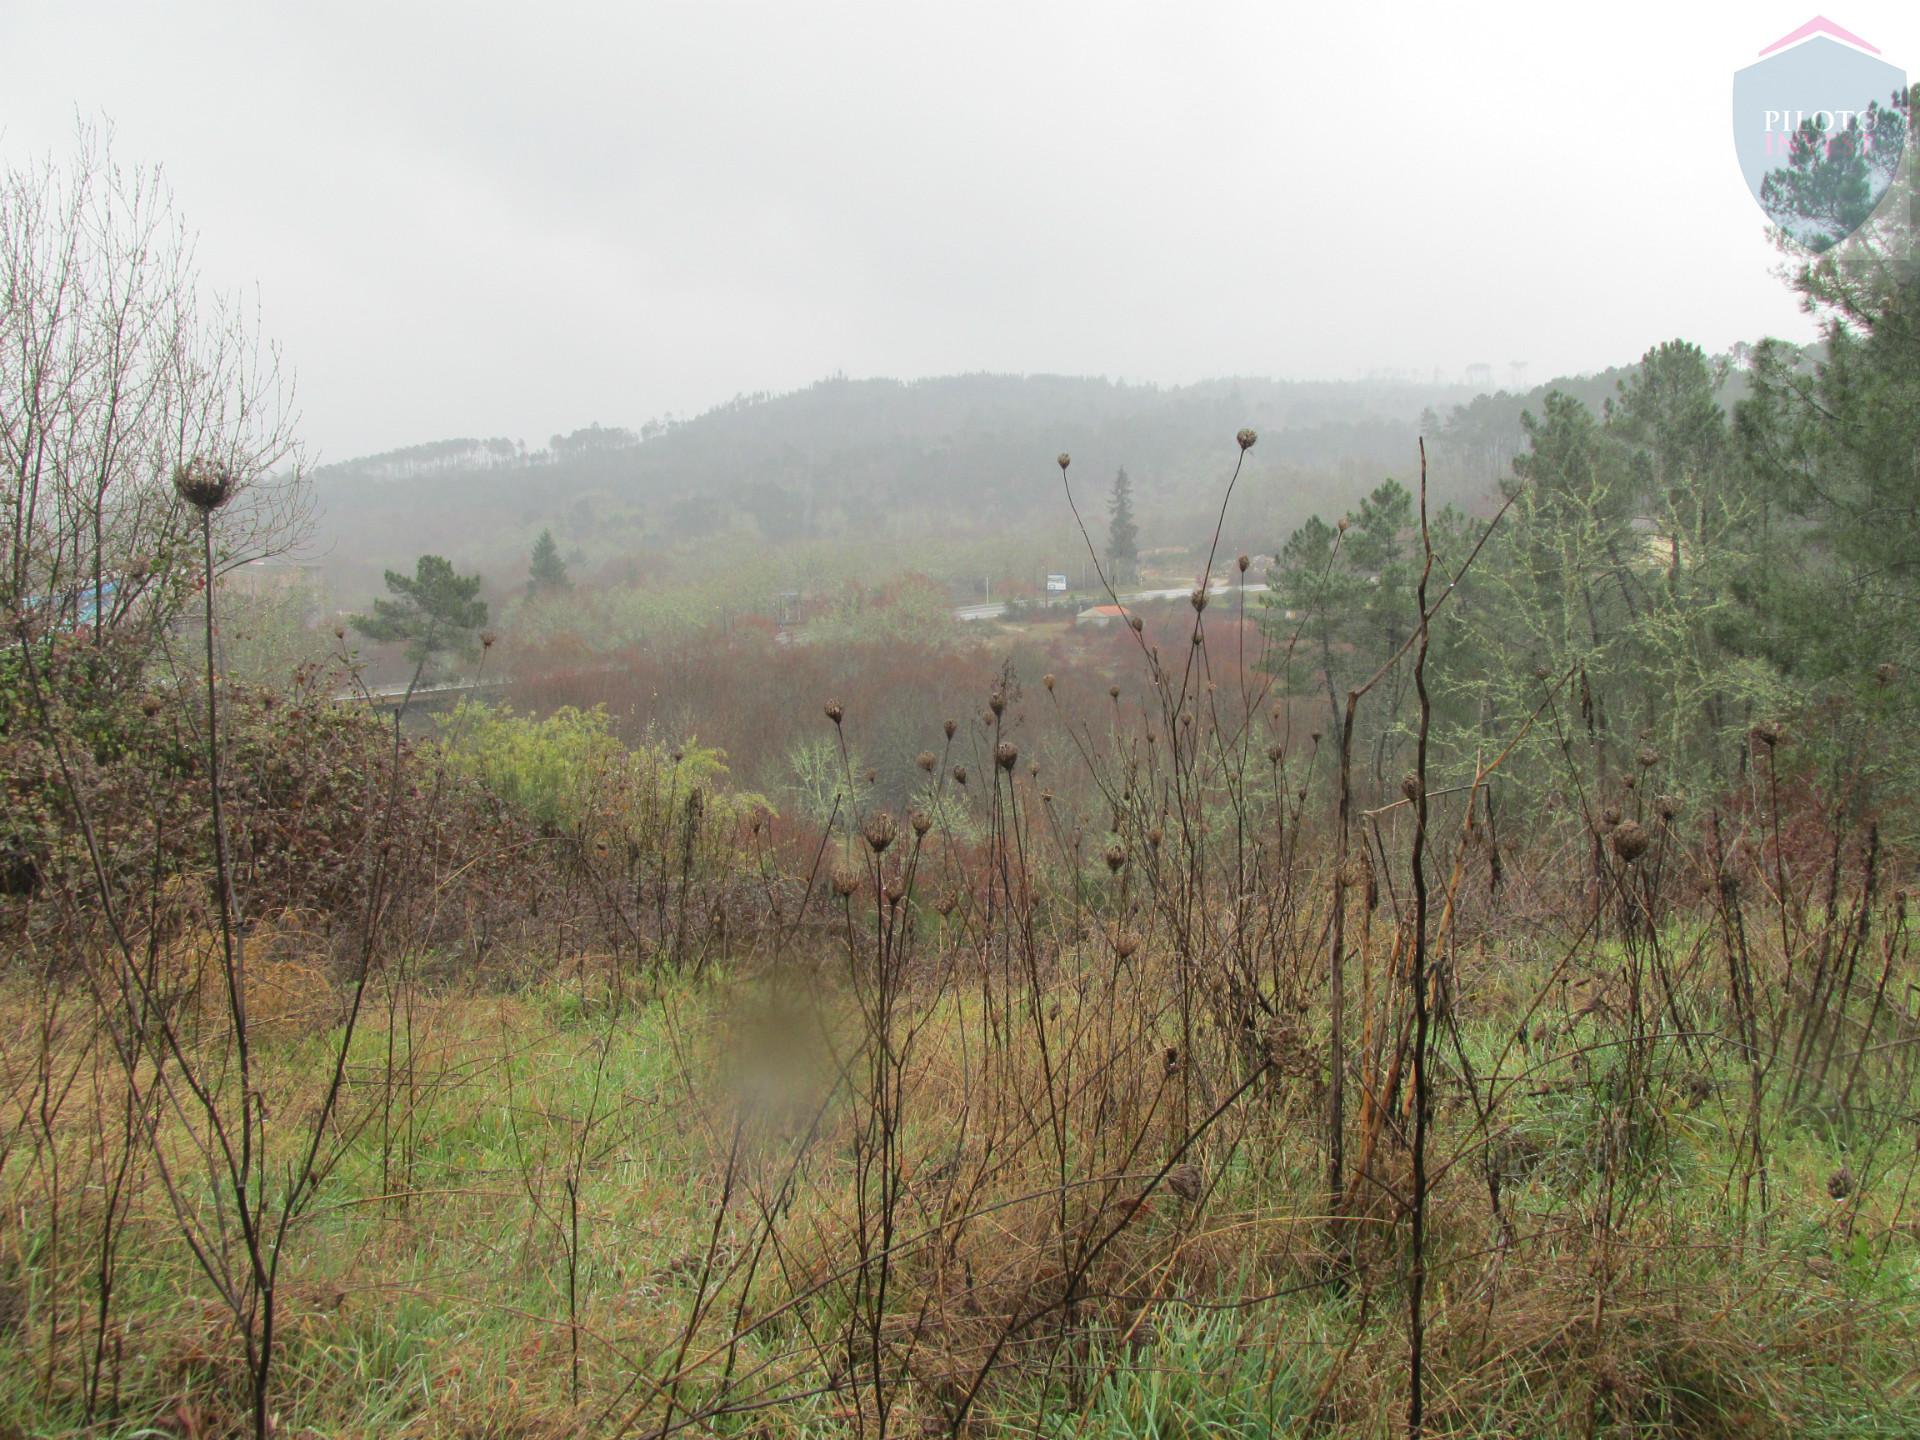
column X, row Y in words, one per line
column 547, row 575
column 1123, row 536
column 435, row 612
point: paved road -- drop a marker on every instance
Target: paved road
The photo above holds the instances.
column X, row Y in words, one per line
column 385, row 696
column 998, row 608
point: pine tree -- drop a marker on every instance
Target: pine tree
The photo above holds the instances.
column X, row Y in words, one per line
column 435, row 611
column 548, row 573
column 1123, row 536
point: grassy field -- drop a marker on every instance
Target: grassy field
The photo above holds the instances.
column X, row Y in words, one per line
column 552, row 1214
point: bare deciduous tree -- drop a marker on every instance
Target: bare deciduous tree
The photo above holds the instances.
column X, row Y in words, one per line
column 116, row 365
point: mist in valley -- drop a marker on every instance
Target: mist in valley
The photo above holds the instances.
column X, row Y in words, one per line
column 1041, row 721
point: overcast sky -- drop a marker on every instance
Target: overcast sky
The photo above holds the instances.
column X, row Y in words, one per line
column 511, row 219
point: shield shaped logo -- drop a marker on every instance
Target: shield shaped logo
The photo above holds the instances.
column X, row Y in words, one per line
column 1819, row 126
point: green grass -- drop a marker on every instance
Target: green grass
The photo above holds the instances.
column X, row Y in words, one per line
column 425, row 1292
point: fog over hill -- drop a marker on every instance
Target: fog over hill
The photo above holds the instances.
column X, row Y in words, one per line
column 890, row 463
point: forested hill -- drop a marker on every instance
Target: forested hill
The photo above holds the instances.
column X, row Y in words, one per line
column 882, row 460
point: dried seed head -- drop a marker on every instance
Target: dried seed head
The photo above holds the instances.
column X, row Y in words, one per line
column 1629, row 782
column 846, row 881
column 1667, row 806
column 944, row 905
column 1199, row 597
column 1885, row 672
column 1243, row 562
column 1184, row 1180
column 921, row 822
column 1005, row 753
column 1840, row 1183
column 1065, row 460
column 997, row 701
column 1033, row 768
column 896, row 889
column 1116, row 856
column 1630, row 840
column 1155, row 836
column 925, row 761
column 879, row 830
column 1342, row 524
column 834, row 712
column 1125, row 942
column 488, row 639
column 1275, row 752
column 204, row 485
column 1113, row 692
column 1246, row 438
column 1649, row 757
column 1047, row 680
column 959, row 774
column 1609, row 817
column 1768, row 733
column 1541, row 672
column 1137, row 623
column 1410, row 787
column 950, row 726
column 339, row 632
column 149, row 705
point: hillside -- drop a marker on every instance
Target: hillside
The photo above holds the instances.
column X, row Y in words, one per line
column 875, row 460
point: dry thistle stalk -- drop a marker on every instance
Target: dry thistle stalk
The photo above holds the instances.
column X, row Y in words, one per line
column 204, row 485
column 1630, row 840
